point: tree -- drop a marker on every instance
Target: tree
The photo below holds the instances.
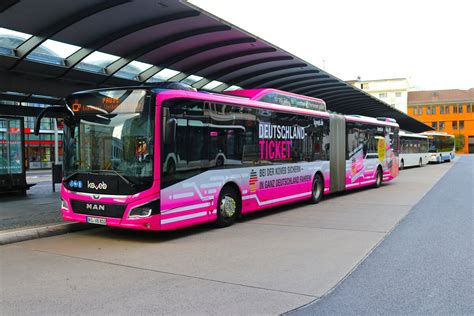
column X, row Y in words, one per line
column 459, row 142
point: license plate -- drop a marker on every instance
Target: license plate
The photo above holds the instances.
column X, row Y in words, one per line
column 96, row 220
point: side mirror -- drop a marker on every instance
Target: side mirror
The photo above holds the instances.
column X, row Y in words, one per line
column 50, row 111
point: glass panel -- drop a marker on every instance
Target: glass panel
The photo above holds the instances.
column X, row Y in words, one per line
column 211, row 85
column 232, row 88
column 191, row 79
column 96, row 62
column 132, row 70
column 163, row 75
column 9, row 40
column 11, row 153
column 52, row 52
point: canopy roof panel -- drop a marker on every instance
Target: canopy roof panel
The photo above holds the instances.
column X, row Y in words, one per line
column 153, row 40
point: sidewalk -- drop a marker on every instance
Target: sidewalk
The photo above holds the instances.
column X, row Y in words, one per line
column 39, row 207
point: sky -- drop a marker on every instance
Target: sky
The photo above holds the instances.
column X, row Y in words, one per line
column 429, row 42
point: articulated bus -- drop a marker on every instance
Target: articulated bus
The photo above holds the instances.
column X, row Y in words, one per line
column 441, row 146
column 168, row 157
column 413, row 150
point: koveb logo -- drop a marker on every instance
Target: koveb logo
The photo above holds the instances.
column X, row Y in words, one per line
column 100, row 186
column 95, row 207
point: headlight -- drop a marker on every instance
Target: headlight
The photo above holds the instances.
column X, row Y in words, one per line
column 145, row 210
column 64, row 205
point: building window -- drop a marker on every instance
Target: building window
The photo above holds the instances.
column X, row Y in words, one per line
column 398, row 94
column 414, row 110
column 434, row 125
column 446, row 109
column 468, row 108
column 428, row 110
column 461, row 124
column 382, row 95
column 441, row 126
column 441, row 109
column 433, row 109
column 455, row 124
column 420, row 110
column 455, row 108
column 460, row 108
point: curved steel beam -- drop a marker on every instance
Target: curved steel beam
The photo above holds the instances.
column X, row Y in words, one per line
column 147, row 74
column 292, row 82
column 324, row 87
column 234, row 55
column 319, row 84
column 103, row 41
column 6, row 4
column 329, row 94
column 303, row 83
column 340, row 87
column 241, row 78
column 122, row 62
column 269, row 80
column 219, row 74
column 33, row 42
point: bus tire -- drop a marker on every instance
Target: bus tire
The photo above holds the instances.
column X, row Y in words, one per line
column 171, row 167
column 219, row 161
column 317, row 189
column 378, row 177
column 228, row 207
column 402, row 165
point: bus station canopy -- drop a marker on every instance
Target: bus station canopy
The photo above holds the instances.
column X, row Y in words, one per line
column 51, row 48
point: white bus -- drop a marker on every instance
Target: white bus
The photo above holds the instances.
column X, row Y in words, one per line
column 441, row 146
column 413, row 150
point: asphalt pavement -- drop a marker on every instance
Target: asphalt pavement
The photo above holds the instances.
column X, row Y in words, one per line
column 424, row 267
column 40, row 206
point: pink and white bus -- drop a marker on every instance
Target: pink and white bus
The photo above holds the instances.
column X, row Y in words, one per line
column 169, row 157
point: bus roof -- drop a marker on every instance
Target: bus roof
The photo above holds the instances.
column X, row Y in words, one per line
column 239, row 97
column 437, row 134
column 413, row 135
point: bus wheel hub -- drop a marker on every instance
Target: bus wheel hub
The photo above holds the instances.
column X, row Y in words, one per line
column 228, row 206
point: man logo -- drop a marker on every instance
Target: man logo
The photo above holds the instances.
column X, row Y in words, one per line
column 95, row 207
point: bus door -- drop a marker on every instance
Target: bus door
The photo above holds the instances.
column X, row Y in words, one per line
column 337, row 152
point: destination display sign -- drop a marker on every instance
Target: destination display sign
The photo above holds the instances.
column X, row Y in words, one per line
column 108, row 102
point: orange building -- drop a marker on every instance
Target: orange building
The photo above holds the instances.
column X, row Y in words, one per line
column 450, row 111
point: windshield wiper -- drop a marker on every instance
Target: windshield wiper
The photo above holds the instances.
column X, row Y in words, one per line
column 124, row 178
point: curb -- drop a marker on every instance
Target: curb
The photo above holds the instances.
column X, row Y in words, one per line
column 41, row 232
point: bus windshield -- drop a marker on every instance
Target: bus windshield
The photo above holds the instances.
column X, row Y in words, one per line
column 112, row 133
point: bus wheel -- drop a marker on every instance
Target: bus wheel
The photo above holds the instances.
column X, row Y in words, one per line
column 228, row 208
column 219, row 162
column 402, row 165
column 317, row 190
column 378, row 178
column 420, row 163
column 171, row 168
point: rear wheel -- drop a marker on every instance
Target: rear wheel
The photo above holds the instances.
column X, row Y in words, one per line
column 317, row 189
column 228, row 208
column 171, row 168
column 378, row 178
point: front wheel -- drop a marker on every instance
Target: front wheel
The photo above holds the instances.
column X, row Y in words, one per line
column 228, row 208
column 317, row 189
column 378, row 178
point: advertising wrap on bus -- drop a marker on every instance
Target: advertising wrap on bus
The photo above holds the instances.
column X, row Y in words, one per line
column 159, row 159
